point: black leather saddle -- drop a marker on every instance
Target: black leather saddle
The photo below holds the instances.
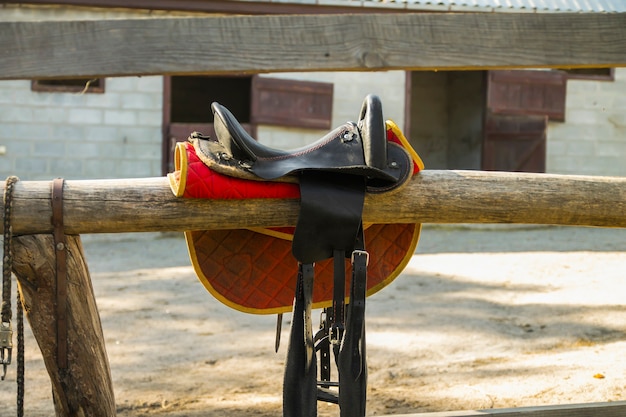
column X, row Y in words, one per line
column 359, row 149
column 334, row 174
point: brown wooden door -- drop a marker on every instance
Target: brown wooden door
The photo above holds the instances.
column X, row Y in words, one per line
column 515, row 143
column 519, row 105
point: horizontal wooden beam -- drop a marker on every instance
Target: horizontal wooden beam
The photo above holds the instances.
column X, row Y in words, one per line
column 612, row 409
column 363, row 42
column 148, row 205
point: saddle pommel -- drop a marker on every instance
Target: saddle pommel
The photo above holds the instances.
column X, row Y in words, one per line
column 360, row 149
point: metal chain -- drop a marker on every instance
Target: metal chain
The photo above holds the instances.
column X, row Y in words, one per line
column 6, row 334
column 20, row 356
column 6, row 258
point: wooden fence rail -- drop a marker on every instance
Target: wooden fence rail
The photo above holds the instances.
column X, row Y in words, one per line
column 143, row 205
column 257, row 44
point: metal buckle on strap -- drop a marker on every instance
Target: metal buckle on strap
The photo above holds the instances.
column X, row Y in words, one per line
column 6, row 347
column 360, row 253
column 335, row 333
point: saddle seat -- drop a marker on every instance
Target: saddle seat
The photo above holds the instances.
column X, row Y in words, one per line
column 360, row 149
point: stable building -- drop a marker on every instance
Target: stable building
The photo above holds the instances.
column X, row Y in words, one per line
column 557, row 120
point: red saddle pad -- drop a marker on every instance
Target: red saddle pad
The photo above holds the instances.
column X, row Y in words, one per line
column 253, row 270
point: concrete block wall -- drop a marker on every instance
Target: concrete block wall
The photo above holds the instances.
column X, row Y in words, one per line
column 350, row 88
column 118, row 134
column 82, row 136
column 592, row 141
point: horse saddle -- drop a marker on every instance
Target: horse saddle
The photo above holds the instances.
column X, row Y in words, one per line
column 330, row 259
column 253, row 270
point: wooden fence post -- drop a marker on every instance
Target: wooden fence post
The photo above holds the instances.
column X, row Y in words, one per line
column 85, row 387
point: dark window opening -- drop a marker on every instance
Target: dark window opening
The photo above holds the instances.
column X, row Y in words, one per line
column 69, row 85
column 605, row 74
column 192, row 97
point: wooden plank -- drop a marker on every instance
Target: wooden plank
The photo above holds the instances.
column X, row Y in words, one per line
column 256, row 44
column 143, row 205
column 613, row 409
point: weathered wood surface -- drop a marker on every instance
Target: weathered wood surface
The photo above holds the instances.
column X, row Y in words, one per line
column 144, row 205
column 614, row 409
column 363, row 42
column 85, row 388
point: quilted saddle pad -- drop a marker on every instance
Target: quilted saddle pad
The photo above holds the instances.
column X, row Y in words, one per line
column 253, row 270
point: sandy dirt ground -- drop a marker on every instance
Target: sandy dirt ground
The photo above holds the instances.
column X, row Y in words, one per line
column 481, row 318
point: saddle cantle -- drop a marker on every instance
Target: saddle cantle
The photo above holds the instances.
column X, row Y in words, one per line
column 330, row 259
column 253, row 270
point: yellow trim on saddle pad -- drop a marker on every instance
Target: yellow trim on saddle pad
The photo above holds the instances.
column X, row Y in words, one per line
column 178, row 178
column 287, row 307
column 390, row 124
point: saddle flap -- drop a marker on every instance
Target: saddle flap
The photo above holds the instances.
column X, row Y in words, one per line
column 331, row 208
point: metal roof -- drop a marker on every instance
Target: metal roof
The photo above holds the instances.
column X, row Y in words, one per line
column 532, row 6
column 512, row 6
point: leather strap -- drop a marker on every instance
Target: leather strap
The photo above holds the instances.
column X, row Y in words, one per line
column 323, row 347
column 331, row 206
column 329, row 225
column 300, row 383
column 60, row 248
column 337, row 322
column 352, row 363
